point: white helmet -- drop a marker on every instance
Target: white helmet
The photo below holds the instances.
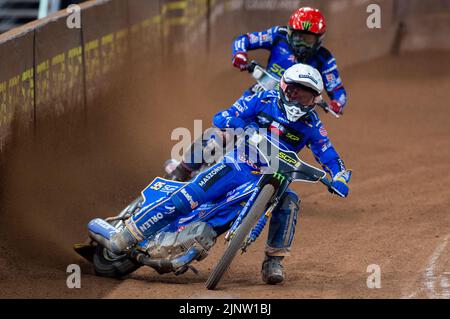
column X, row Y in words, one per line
column 306, row 78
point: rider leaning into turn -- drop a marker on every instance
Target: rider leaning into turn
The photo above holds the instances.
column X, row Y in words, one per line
column 291, row 111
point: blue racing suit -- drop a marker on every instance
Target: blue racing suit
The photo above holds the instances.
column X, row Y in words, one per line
column 263, row 111
column 282, row 57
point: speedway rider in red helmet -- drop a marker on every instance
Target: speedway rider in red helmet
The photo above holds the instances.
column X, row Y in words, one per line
column 300, row 42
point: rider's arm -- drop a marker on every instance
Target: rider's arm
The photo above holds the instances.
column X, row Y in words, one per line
column 324, row 151
column 327, row 156
column 255, row 40
column 332, row 79
column 240, row 113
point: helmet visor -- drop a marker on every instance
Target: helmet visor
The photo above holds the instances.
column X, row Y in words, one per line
column 303, row 39
column 298, row 95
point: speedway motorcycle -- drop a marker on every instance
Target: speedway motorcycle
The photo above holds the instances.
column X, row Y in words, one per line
column 240, row 214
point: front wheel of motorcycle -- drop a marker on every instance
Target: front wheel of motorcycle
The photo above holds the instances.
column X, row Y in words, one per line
column 237, row 240
column 109, row 265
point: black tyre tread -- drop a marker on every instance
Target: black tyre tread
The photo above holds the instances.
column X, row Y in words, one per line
column 112, row 269
column 236, row 242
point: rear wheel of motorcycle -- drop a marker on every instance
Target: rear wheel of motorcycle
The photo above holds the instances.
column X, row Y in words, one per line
column 107, row 265
column 237, row 240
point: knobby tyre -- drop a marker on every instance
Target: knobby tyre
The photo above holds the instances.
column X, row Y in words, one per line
column 237, row 240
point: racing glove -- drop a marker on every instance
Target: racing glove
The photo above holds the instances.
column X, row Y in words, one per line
column 240, row 60
column 340, row 183
column 336, row 107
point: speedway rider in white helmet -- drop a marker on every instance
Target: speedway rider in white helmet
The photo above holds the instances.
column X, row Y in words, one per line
column 295, row 85
column 289, row 116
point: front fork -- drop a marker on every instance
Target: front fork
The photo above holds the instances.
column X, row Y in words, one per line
column 281, row 183
column 257, row 230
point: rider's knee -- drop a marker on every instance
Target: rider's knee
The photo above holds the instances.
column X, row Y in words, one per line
column 282, row 226
column 287, row 210
column 195, row 156
column 289, row 202
column 186, row 200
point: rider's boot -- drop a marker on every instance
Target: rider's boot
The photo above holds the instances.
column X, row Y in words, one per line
column 272, row 270
column 136, row 229
column 144, row 224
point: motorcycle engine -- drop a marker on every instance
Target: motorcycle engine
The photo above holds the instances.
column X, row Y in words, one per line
column 167, row 245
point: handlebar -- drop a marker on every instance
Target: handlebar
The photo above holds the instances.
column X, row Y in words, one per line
column 330, row 187
column 251, row 66
column 326, row 107
column 325, row 181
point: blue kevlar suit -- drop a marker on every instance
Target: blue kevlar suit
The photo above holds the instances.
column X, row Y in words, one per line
column 282, row 57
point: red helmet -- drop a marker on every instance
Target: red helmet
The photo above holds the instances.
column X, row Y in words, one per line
column 309, row 20
column 306, row 31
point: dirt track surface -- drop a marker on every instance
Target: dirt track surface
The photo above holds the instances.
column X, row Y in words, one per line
column 394, row 135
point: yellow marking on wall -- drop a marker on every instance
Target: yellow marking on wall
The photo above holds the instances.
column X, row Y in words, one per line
column 6, row 116
column 109, row 38
column 43, row 85
column 44, row 66
column 58, row 59
column 193, row 10
column 75, row 52
column 156, row 19
column 91, row 45
column 178, row 21
column 27, row 90
column 3, row 86
column 28, row 75
column 14, row 81
column 179, row 5
column 146, row 23
column 122, row 34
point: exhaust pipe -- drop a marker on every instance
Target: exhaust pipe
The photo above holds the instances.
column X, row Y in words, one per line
column 110, row 237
